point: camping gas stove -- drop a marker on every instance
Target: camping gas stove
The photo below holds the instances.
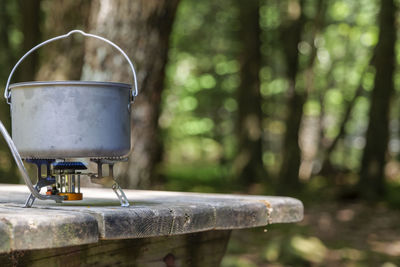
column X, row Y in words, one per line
column 63, row 178
column 56, row 122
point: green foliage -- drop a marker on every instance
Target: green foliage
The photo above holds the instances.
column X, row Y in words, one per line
column 200, row 109
column 11, row 38
column 199, row 105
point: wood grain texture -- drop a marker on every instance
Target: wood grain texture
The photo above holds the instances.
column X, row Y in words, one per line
column 22, row 229
column 152, row 214
column 198, row 249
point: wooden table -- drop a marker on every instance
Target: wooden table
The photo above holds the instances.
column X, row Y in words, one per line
column 158, row 229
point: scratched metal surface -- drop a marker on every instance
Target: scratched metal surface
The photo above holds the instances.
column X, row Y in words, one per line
column 92, row 118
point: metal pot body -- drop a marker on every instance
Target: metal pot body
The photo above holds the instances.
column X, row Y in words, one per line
column 71, row 119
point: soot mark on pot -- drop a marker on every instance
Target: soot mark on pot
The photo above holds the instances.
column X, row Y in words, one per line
column 34, row 110
column 59, row 96
column 28, row 94
column 78, row 140
column 125, row 128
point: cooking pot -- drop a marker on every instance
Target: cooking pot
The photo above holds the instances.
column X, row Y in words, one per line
column 71, row 119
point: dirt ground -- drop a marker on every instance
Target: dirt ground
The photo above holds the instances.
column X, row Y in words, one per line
column 331, row 234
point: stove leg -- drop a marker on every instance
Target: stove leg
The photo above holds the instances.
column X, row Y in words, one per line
column 120, row 194
column 31, row 199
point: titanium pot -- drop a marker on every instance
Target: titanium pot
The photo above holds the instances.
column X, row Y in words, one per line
column 71, row 119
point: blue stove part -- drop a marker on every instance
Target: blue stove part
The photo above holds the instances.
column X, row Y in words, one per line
column 69, row 165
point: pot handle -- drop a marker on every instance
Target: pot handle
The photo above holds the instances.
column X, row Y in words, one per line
column 7, row 90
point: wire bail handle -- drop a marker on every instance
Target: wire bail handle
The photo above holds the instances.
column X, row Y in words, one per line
column 7, row 90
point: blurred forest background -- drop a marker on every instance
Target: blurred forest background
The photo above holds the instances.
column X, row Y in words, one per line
column 290, row 97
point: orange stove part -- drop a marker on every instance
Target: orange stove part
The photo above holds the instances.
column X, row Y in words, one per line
column 72, row 196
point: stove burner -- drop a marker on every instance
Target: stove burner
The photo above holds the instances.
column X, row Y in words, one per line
column 69, row 165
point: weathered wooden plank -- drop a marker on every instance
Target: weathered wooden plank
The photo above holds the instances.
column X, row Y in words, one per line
column 153, row 213
column 22, row 229
column 5, row 237
column 196, row 249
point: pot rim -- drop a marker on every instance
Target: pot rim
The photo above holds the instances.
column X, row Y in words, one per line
column 68, row 83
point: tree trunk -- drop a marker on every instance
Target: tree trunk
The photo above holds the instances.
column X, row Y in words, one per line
column 289, row 172
column 30, row 26
column 142, row 29
column 248, row 164
column 63, row 60
column 7, row 166
column 326, row 163
column 307, row 154
column 372, row 183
